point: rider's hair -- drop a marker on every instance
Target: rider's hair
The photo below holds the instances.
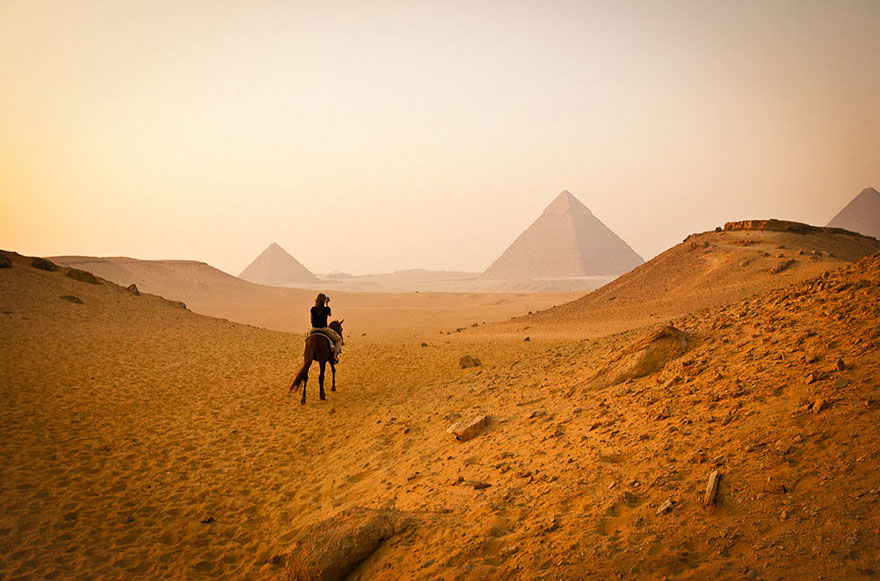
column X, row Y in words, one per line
column 321, row 300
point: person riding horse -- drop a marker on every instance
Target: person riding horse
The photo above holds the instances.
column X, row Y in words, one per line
column 320, row 312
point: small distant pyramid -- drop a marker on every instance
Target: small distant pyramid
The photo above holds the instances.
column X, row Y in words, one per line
column 567, row 240
column 276, row 267
column 862, row 215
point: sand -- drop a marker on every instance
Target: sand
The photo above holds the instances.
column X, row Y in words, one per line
column 138, row 439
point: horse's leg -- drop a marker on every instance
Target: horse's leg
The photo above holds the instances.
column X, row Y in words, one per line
column 333, row 369
column 305, row 381
column 322, row 363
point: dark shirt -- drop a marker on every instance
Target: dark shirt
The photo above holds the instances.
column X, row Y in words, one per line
column 319, row 317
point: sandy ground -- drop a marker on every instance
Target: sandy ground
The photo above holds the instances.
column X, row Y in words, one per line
column 140, row 440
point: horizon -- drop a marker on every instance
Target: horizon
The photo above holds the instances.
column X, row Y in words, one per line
column 374, row 138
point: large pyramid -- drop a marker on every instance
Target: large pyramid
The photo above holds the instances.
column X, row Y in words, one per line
column 567, row 240
column 276, row 267
column 862, row 215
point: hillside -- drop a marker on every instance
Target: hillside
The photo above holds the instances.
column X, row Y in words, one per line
column 209, row 291
column 708, row 270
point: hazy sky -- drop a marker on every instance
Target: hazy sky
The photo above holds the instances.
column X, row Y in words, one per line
column 374, row 136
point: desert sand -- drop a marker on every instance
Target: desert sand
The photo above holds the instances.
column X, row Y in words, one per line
column 143, row 440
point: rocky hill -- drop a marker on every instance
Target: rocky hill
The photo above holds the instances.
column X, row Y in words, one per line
column 713, row 269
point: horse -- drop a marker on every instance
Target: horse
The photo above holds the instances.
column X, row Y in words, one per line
column 317, row 348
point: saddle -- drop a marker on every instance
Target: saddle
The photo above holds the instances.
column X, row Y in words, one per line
column 316, row 332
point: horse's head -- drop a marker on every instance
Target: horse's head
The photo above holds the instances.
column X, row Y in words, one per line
column 337, row 326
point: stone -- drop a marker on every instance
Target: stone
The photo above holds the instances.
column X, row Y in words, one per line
column 72, row 299
column 464, row 431
column 819, row 405
column 82, row 275
column 782, row 266
column 43, row 264
column 5, row 262
column 477, row 484
column 711, row 488
column 646, row 356
column 329, row 550
column 665, row 507
column 467, row 361
column 841, row 364
column 133, row 289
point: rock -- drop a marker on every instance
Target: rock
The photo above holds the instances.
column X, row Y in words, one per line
column 527, row 339
column 819, row 405
column 814, row 376
column 477, row 484
column 464, row 431
column 5, row 262
column 72, row 299
column 133, row 289
column 647, row 356
column 711, row 488
column 781, row 266
column 841, row 364
column 208, row 520
column 424, row 344
column 509, row 550
column 82, row 275
column 665, row 507
column 468, row 361
column 43, row 264
column 331, row 549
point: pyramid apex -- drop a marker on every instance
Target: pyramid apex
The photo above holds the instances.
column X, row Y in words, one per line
column 564, row 203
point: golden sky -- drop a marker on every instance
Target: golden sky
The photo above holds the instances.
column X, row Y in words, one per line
column 375, row 136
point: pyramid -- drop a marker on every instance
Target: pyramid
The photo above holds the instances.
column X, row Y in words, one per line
column 276, row 267
column 567, row 240
column 862, row 215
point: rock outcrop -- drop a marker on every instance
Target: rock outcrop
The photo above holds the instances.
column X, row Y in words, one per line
column 332, row 548
column 43, row 264
column 82, row 275
column 646, row 356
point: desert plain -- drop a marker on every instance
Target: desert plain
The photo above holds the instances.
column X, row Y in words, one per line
column 149, row 433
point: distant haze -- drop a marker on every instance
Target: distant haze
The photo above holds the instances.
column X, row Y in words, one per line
column 375, row 136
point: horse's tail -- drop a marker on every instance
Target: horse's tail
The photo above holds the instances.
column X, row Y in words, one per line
column 307, row 355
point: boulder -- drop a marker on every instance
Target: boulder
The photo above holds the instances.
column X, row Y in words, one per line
column 464, row 431
column 82, row 275
column 331, row 549
column 646, row 356
column 468, row 361
column 43, row 264
column 133, row 289
column 5, row 262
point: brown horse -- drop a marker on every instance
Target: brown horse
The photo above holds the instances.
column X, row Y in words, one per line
column 318, row 349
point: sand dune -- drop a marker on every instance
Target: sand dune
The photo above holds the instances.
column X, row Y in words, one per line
column 209, row 291
column 138, row 439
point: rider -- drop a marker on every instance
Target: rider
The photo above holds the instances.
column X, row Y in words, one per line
column 320, row 312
